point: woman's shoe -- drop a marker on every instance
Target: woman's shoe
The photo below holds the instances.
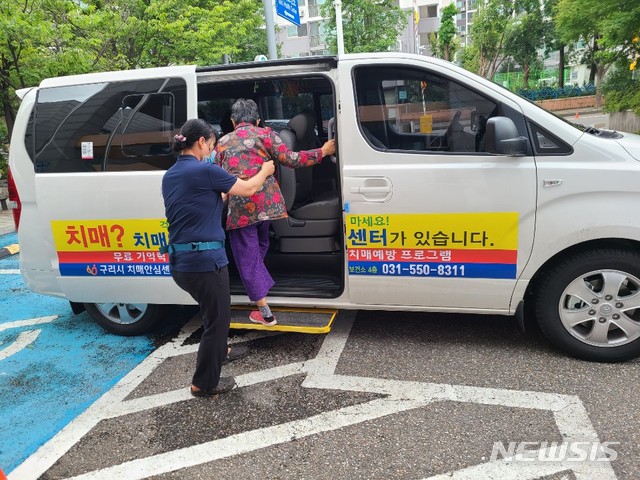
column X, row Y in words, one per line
column 225, row 384
column 256, row 317
column 236, row 353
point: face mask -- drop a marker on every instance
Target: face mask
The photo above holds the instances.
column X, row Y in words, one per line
column 211, row 158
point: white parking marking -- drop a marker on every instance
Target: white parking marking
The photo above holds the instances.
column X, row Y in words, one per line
column 9, row 271
column 23, row 340
column 27, row 323
column 505, row 470
column 569, row 412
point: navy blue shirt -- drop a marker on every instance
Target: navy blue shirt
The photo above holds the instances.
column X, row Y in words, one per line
column 193, row 206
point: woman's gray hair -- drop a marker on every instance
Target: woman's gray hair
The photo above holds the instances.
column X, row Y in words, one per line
column 244, row 111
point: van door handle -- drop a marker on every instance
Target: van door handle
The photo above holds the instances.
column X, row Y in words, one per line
column 371, row 189
column 386, row 189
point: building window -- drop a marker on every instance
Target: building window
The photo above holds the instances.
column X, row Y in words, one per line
column 314, row 7
column 295, row 31
column 429, row 11
column 316, row 34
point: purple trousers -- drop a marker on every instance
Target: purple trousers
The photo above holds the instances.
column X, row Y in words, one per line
column 249, row 246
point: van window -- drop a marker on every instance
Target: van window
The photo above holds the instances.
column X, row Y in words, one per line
column 546, row 143
column 118, row 126
column 278, row 101
column 412, row 109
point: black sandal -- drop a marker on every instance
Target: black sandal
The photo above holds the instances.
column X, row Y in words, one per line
column 236, row 353
column 225, row 384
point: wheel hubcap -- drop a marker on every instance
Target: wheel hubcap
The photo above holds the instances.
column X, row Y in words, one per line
column 602, row 308
column 122, row 313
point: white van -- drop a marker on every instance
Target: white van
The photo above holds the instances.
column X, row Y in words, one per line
column 448, row 194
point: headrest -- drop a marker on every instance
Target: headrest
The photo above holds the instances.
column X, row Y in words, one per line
column 302, row 124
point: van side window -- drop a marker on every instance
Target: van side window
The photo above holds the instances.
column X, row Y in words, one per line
column 545, row 143
column 413, row 109
column 116, row 126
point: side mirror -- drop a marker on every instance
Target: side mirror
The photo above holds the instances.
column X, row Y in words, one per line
column 501, row 138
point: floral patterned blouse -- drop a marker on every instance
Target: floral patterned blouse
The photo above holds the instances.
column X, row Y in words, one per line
column 241, row 153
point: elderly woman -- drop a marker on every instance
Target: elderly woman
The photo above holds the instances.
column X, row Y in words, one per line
column 241, row 153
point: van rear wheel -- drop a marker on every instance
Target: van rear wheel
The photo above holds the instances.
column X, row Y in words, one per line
column 589, row 305
column 127, row 319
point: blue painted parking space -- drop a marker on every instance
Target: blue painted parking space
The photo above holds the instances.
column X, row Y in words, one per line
column 53, row 364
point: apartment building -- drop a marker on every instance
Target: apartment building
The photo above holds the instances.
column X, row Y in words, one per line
column 309, row 38
column 306, row 39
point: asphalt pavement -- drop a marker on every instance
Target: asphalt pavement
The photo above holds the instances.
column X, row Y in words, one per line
column 394, row 395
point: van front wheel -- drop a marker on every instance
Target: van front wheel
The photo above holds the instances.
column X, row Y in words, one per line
column 589, row 305
column 127, row 319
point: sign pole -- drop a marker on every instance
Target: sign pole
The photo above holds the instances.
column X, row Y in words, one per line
column 271, row 32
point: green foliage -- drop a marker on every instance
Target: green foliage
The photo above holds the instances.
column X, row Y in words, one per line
column 470, row 58
column 368, row 25
column 586, row 20
column 488, row 35
column 49, row 38
column 525, row 36
column 447, row 32
column 615, row 23
column 622, row 90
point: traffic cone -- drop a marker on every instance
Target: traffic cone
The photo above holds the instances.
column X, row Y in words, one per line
column 577, row 114
column 2, row 475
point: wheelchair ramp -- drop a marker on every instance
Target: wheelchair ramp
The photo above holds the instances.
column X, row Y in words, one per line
column 301, row 320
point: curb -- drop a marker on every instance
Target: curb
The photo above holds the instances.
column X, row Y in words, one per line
column 9, row 250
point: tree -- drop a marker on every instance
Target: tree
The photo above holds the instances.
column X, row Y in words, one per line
column 137, row 33
column 619, row 25
column 525, row 36
column 36, row 41
column 552, row 39
column 622, row 89
column 447, row 32
column 485, row 53
column 368, row 25
column 49, row 38
column 584, row 20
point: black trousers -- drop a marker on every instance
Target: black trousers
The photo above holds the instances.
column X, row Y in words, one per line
column 211, row 291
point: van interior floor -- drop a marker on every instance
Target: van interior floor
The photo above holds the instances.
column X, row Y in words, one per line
column 301, row 286
column 300, row 320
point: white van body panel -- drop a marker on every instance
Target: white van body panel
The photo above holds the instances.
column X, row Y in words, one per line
column 185, row 71
column 107, row 195
column 432, row 183
column 597, row 182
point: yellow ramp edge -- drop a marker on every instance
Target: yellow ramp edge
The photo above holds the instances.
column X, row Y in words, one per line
column 299, row 320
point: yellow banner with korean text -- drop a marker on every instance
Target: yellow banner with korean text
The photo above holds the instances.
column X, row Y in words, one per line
column 146, row 234
column 483, row 230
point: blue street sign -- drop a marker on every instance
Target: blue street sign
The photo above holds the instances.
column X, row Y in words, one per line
column 288, row 9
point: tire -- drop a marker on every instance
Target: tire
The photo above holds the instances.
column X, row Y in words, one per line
column 589, row 305
column 126, row 319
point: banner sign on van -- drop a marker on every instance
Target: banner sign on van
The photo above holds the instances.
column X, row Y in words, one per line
column 111, row 247
column 470, row 245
